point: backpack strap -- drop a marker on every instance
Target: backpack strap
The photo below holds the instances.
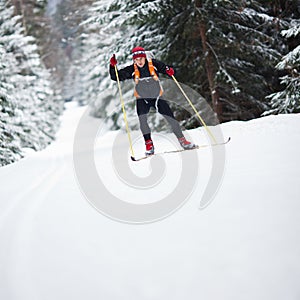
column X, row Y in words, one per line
column 152, row 70
column 154, row 75
column 136, row 74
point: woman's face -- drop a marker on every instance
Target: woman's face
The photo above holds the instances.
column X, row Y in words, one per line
column 140, row 61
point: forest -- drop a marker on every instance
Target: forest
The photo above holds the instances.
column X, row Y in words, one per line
column 240, row 57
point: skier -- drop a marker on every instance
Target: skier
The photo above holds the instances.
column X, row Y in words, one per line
column 148, row 92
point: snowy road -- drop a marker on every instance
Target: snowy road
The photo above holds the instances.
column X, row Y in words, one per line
column 244, row 245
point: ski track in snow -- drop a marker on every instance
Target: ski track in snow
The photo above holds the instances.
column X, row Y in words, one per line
column 244, row 245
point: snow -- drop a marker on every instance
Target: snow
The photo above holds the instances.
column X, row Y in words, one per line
column 244, row 245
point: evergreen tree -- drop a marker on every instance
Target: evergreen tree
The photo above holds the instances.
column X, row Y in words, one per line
column 37, row 24
column 64, row 45
column 10, row 148
column 225, row 50
column 288, row 99
column 29, row 110
column 105, row 33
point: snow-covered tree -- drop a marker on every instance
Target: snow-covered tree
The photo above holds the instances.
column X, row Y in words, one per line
column 224, row 50
column 105, row 32
column 10, row 148
column 288, row 99
column 29, row 111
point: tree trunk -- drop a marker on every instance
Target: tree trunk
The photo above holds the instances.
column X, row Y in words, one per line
column 209, row 66
column 210, row 72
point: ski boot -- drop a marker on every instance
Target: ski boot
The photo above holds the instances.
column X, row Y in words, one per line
column 186, row 145
column 149, row 147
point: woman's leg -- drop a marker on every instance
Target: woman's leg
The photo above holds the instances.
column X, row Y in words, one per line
column 143, row 107
column 165, row 110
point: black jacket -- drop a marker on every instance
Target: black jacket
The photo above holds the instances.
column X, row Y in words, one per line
column 128, row 72
column 147, row 87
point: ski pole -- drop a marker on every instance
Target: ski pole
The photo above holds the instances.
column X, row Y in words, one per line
column 124, row 113
column 193, row 107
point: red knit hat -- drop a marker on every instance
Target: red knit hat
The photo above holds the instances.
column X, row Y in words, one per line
column 138, row 52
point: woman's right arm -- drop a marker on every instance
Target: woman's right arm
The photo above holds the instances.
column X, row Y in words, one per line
column 125, row 73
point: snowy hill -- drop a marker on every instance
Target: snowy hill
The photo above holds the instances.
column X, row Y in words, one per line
column 55, row 244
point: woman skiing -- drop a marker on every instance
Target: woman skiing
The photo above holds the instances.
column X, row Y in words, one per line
column 148, row 92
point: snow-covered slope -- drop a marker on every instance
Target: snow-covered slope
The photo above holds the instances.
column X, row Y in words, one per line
column 244, row 245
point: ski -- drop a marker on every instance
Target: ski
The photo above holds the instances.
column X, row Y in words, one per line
column 180, row 150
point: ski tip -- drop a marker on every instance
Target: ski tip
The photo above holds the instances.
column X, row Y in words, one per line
column 132, row 158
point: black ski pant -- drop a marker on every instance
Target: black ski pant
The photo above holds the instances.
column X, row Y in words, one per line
column 143, row 107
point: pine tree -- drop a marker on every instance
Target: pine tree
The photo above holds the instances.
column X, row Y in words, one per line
column 226, row 46
column 105, row 33
column 225, row 50
column 10, row 148
column 64, row 44
column 288, row 99
column 29, row 110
